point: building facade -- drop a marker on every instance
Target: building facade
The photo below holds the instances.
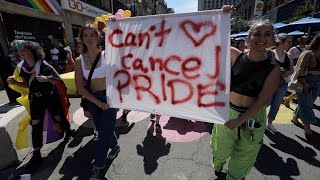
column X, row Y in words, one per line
column 54, row 22
column 214, row 4
column 275, row 10
column 279, row 11
column 245, row 9
column 147, row 7
column 46, row 22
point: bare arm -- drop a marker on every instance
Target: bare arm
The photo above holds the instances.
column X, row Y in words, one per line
column 270, row 86
column 69, row 57
column 22, row 84
column 288, row 73
column 234, row 54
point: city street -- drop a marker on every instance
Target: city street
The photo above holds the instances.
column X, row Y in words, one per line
column 182, row 151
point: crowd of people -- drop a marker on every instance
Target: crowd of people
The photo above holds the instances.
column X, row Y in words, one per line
column 61, row 58
column 260, row 76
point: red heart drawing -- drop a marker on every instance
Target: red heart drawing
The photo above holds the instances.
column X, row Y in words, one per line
column 196, row 27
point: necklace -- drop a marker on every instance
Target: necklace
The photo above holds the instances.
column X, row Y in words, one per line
column 91, row 60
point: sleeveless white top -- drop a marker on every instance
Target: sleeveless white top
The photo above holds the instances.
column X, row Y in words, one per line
column 99, row 72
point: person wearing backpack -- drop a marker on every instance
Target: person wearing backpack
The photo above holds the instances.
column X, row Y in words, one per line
column 295, row 51
column 283, row 43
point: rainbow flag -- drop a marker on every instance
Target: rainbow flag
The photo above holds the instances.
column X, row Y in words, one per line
column 51, row 6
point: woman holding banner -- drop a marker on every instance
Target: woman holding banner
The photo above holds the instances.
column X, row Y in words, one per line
column 254, row 79
column 103, row 116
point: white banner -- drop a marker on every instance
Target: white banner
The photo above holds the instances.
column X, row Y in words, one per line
column 176, row 65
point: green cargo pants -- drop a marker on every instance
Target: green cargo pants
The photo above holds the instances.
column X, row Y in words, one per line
column 242, row 146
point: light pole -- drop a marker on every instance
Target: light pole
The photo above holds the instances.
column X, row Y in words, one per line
column 111, row 2
column 314, row 7
column 155, row 3
column 132, row 6
column 312, row 14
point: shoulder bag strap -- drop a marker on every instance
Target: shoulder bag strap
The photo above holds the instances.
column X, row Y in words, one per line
column 92, row 69
column 299, row 48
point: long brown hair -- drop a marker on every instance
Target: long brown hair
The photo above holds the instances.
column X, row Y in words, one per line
column 94, row 29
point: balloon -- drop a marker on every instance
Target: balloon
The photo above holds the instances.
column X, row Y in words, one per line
column 95, row 24
column 104, row 17
column 118, row 15
column 120, row 11
column 97, row 19
column 109, row 15
column 104, row 29
column 127, row 13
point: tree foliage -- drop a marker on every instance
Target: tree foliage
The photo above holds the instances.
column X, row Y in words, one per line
column 302, row 11
column 238, row 24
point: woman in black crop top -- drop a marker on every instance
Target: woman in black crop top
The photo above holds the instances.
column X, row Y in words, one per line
column 241, row 136
column 283, row 43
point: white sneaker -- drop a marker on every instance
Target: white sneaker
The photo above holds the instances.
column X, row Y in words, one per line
column 272, row 128
column 95, row 135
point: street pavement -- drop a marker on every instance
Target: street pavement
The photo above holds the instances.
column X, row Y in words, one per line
column 181, row 152
column 3, row 97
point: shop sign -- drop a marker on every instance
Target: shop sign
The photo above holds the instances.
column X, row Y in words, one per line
column 30, row 28
column 82, row 8
column 23, row 35
column 258, row 9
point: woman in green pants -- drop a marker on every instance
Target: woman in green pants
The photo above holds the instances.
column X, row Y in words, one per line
column 254, row 79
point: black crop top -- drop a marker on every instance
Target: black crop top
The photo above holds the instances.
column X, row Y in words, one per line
column 286, row 63
column 247, row 77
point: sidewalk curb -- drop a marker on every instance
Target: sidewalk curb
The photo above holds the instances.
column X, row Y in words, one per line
column 8, row 130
